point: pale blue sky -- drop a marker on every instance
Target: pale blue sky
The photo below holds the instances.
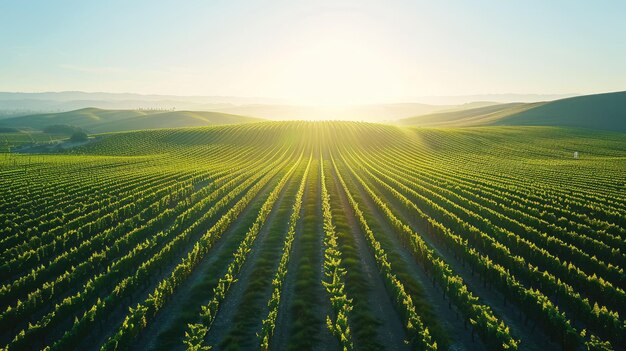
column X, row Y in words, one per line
column 314, row 51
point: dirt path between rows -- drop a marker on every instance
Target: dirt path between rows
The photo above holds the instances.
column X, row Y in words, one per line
column 177, row 311
column 223, row 322
column 307, row 249
column 532, row 338
column 449, row 318
column 391, row 332
column 116, row 317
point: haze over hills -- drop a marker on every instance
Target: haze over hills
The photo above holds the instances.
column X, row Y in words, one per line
column 62, row 99
column 368, row 113
column 16, row 104
column 600, row 111
column 469, row 117
column 20, row 104
column 99, row 121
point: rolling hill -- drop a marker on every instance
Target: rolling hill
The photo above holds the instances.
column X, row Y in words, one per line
column 380, row 113
column 13, row 104
column 99, row 121
column 269, row 223
column 600, row 111
column 469, row 117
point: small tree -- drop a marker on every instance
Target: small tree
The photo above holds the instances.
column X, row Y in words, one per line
column 79, row 136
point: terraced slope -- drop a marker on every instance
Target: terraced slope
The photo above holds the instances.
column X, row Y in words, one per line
column 317, row 235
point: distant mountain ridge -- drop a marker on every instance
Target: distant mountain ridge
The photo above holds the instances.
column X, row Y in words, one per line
column 368, row 113
column 600, row 111
column 45, row 103
column 97, row 120
column 20, row 104
column 104, row 96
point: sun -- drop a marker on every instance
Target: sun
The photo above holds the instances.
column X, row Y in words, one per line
column 340, row 66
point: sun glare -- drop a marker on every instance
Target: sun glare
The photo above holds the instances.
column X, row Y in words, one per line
column 340, row 66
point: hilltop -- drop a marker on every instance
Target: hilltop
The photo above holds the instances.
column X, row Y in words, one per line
column 599, row 111
column 21, row 104
column 97, row 120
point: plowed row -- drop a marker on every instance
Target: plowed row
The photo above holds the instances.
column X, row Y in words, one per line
column 317, row 235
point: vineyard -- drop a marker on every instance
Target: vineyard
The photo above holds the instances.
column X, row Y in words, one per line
column 317, row 236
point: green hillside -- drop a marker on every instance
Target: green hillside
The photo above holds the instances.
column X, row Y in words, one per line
column 98, row 120
column 469, row 117
column 600, row 111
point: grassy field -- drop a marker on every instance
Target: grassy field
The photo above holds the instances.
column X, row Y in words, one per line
column 317, row 236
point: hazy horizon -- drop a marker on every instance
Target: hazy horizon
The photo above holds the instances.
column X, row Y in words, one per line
column 13, row 104
column 322, row 53
column 69, row 95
